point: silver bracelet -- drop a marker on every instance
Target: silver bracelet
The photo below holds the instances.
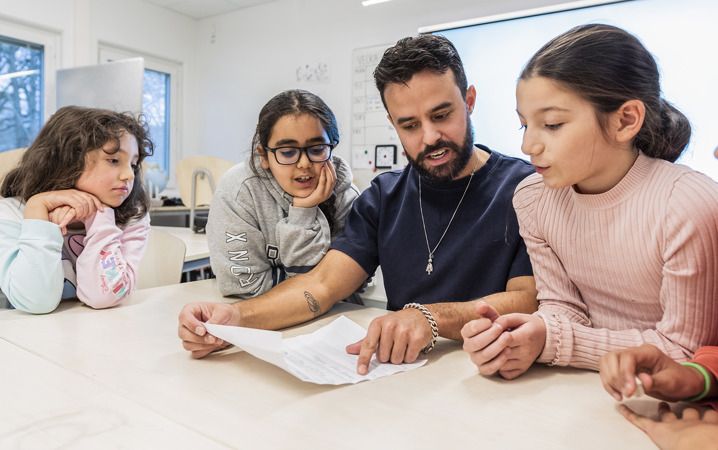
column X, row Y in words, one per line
column 432, row 323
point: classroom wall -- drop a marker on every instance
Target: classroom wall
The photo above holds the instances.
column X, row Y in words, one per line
column 247, row 56
column 158, row 32
column 233, row 63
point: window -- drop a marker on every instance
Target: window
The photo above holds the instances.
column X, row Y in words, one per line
column 160, row 102
column 21, row 92
column 156, row 105
column 27, row 93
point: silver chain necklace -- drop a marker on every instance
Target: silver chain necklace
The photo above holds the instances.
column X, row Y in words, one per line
column 430, row 265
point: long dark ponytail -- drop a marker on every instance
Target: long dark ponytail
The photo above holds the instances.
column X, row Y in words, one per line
column 608, row 66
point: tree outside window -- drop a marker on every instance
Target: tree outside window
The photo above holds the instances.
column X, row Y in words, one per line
column 156, row 105
column 21, row 92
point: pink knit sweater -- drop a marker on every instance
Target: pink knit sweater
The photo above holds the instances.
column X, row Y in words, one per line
column 636, row 264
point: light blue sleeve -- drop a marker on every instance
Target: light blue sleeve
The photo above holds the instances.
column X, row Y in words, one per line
column 31, row 274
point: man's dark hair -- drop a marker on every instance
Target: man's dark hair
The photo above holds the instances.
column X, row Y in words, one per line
column 416, row 54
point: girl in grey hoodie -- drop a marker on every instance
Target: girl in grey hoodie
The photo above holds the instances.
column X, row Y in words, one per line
column 274, row 215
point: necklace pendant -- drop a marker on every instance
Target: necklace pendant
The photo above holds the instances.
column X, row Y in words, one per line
column 429, row 267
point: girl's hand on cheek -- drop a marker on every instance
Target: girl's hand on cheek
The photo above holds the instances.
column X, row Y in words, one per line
column 324, row 189
column 84, row 204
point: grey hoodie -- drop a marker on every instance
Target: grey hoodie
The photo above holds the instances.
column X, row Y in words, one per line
column 257, row 239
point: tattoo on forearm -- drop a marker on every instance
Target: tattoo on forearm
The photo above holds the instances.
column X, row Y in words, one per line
column 312, row 303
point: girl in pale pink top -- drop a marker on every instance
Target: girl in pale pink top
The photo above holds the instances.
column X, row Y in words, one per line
column 74, row 220
column 623, row 242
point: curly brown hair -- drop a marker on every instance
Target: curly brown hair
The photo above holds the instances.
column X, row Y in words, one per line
column 56, row 158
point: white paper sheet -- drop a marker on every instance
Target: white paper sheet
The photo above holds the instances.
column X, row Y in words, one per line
column 319, row 357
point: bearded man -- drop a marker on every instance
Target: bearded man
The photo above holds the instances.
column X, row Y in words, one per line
column 443, row 229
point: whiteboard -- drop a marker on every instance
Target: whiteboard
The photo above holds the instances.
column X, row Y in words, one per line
column 370, row 125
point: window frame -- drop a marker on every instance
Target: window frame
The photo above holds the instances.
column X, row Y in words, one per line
column 50, row 41
column 108, row 52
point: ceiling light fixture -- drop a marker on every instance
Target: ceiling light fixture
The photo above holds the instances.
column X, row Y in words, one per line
column 373, row 2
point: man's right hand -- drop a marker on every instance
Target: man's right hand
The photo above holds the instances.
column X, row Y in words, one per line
column 192, row 332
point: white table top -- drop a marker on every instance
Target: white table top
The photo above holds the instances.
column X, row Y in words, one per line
column 196, row 243
column 47, row 406
column 177, row 208
column 78, row 366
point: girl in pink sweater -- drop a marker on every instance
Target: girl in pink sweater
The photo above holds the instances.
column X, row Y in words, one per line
column 74, row 219
column 623, row 242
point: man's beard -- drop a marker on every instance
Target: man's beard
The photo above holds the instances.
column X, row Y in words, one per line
column 449, row 171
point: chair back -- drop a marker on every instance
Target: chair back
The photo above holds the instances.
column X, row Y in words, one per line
column 163, row 261
column 8, row 160
column 197, row 168
column 197, row 178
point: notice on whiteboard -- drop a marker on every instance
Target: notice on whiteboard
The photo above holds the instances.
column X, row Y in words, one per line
column 370, row 126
